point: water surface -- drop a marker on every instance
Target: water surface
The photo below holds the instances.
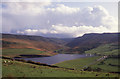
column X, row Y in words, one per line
column 56, row 58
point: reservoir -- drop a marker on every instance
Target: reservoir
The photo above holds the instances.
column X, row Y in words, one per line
column 57, row 58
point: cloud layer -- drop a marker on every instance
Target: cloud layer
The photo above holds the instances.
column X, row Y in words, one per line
column 56, row 20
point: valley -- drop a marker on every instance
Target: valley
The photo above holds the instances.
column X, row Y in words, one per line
column 26, row 47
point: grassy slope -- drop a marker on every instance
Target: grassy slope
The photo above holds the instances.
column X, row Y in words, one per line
column 107, row 49
column 77, row 63
column 106, row 67
column 20, row 69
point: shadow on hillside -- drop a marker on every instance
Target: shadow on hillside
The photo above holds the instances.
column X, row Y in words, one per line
column 31, row 56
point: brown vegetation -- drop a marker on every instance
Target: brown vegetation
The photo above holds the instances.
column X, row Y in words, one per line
column 23, row 43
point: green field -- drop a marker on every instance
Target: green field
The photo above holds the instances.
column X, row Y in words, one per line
column 77, row 63
column 20, row 69
column 16, row 52
column 108, row 65
column 107, row 49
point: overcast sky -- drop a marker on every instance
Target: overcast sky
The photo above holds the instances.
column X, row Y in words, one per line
column 59, row 19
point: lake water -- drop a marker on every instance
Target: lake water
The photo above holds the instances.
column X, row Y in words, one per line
column 57, row 58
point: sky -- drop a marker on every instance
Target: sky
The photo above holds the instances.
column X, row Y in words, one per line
column 59, row 19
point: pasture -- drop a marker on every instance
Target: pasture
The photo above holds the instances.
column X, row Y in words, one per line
column 21, row 69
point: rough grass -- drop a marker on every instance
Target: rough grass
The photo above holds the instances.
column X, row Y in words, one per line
column 107, row 49
column 15, row 52
column 20, row 69
column 77, row 63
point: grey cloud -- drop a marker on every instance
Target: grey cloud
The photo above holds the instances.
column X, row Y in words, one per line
column 44, row 18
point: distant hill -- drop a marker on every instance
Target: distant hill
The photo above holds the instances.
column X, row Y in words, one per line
column 90, row 41
column 68, row 45
column 60, row 41
column 28, row 41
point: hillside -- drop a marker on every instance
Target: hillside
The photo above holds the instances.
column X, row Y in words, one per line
column 107, row 49
column 57, row 45
column 92, row 40
column 27, row 41
column 15, row 45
